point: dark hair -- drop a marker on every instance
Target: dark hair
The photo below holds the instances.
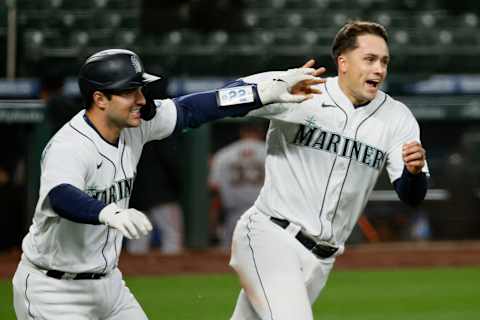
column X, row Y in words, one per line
column 89, row 100
column 107, row 93
column 346, row 38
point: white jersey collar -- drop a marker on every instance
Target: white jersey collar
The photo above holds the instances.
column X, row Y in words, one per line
column 79, row 124
column 338, row 98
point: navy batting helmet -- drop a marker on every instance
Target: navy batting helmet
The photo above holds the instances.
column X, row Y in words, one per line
column 112, row 70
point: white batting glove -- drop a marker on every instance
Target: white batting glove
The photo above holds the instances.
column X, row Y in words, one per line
column 130, row 222
column 277, row 90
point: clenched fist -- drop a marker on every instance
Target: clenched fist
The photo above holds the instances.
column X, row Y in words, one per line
column 413, row 156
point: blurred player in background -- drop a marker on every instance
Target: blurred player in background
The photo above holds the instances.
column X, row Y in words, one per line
column 323, row 159
column 157, row 193
column 236, row 176
column 59, row 108
column 68, row 269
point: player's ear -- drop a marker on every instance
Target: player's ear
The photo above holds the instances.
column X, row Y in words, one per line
column 100, row 100
column 342, row 63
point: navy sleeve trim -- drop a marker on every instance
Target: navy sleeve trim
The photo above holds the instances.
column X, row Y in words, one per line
column 195, row 109
column 411, row 188
column 75, row 205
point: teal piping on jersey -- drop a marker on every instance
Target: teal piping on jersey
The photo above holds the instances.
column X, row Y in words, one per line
column 87, row 120
column 334, row 161
column 349, row 161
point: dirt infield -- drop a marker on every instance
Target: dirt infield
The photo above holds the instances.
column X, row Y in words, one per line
column 367, row 256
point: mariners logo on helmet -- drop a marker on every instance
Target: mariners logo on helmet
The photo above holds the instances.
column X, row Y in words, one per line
column 136, row 65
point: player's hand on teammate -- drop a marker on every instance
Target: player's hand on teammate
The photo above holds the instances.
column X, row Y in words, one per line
column 413, row 156
column 130, row 222
column 294, row 85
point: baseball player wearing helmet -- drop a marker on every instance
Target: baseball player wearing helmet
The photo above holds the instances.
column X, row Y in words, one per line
column 69, row 267
column 323, row 159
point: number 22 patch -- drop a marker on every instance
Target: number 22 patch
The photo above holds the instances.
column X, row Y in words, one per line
column 235, row 95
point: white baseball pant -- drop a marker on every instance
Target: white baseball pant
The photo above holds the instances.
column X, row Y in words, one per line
column 280, row 278
column 37, row 296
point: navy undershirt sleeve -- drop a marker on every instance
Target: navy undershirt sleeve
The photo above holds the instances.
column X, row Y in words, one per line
column 411, row 188
column 195, row 109
column 73, row 204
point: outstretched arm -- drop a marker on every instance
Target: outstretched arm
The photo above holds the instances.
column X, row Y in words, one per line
column 239, row 97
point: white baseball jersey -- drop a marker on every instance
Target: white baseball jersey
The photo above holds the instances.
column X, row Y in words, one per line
column 238, row 171
column 79, row 156
column 324, row 157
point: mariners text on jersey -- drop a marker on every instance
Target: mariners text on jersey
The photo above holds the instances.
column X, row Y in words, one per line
column 119, row 190
column 316, row 138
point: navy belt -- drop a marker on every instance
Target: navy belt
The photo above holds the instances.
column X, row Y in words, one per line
column 321, row 250
column 74, row 276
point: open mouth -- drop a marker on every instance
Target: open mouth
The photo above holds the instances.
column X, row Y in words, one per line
column 373, row 83
column 135, row 111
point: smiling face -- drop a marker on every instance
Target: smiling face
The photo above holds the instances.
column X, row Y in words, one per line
column 363, row 69
column 122, row 110
column 111, row 112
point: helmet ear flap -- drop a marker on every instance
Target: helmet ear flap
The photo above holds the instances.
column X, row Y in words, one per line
column 149, row 110
column 86, row 91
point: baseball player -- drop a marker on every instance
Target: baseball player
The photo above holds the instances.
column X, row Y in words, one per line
column 323, row 159
column 236, row 177
column 157, row 194
column 69, row 266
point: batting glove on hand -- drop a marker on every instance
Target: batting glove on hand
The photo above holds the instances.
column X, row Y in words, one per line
column 130, row 222
column 279, row 89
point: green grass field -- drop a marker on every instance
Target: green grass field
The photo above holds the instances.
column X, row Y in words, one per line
column 413, row 294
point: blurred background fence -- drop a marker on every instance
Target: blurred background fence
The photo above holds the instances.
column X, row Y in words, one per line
column 199, row 44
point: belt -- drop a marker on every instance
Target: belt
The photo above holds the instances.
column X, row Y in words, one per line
column 74, row 276
column 64, row 275
column 321, row 250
